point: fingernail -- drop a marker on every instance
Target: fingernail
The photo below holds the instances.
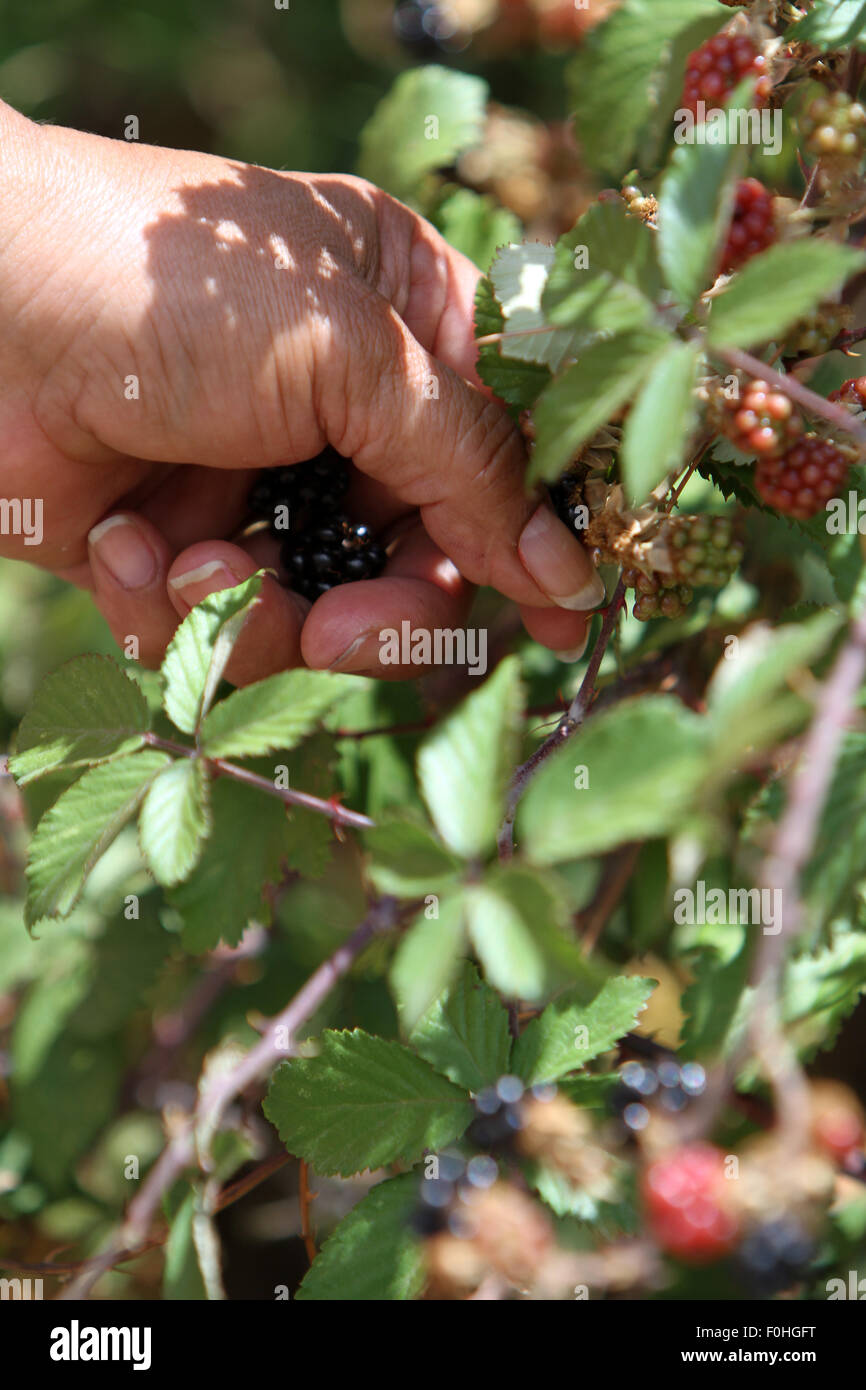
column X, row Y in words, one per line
column 558, row 562
column 340, row 662
column 121, row 547
column 575, row 653
column 196, row 584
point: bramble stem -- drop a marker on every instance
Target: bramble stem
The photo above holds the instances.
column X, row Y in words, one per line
column 795, row 390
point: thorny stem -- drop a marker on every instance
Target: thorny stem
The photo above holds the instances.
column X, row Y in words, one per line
column 190, row 1141
column 339, row 814
column 791, row 387
column 567, row 726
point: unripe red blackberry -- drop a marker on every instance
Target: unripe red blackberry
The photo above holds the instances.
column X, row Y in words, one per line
column 718, row 66
column 834, row 128
column 654, row 599
column 761, row 421
column 753, row 225
column 802, row 481
column 685, row 1197
column 851, row 392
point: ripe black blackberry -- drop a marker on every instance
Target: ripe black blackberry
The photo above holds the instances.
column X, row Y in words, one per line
column 566, row 500
column 665, row 1085
column 774, row 1256
column 310, row 490
column 334, row 552
column 498, row 1117
column 421, row 26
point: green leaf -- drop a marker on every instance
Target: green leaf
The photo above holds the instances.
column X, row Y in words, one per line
column 659, row 423
column 516, row 382
column 427, row 958
column 620, row 285
column 406, row 860
column 832, row 24
column 587, row 395
column 465, row 1034
column 79, row 828
column 181, row 1278
column 572, row 1031
column 227, row 888
column 695, row 202
column 645, row 762
column 64, row 1106
column 372, row 1255
column 200, row 649
column 362, row 1103
column 87, row 712
column 615, row 76
column 517, row 924
column 175, row 820
column 476, row 225
column 778, row 287
column 518, row 276
column 822, row 989
column 429, row 117
column 749, row 702
column 464, row 766
column 274, row 713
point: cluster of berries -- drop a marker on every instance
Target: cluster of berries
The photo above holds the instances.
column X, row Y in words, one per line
column 321, row 547
column 834, row 129
column 718, row 66
column 761, row 421
column 801, row 482
column 753, row 225
column 815, row 334
column 653, row 599
column 666, row 1086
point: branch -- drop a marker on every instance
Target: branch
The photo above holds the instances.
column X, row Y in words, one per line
column 190, row 1141
column 338, row 814
column 795, row 390
column 567, row 726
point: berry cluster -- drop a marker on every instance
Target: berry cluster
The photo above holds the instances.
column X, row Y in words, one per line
column 761, row 421
column 773, row 1256
column 834, row 129
column 321, row 548
column 498, row 1115
column 802, row 481
column 687, row 1204
column 566, row 500
column 753, row 225
column 422, row 27
column 718, row 66
column 814, row 335
column 653, row 599
column 665, row 1085
column 703, row 549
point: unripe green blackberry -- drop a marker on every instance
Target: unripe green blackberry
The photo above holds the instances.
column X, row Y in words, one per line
column 834, row 128
column 703, row 549
column 814, row 335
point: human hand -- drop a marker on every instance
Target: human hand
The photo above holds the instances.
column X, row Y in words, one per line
column 173, row 322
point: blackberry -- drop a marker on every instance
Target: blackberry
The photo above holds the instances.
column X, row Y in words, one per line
column 834, row 129
column 718, row 66
column 436, row 1196
column 703, row 549
column 565, row 498
column 310, row 491
column 498, row 1117
column 653, row 599
column 802, row 481
column 332, row 553
column 665, row 1085
column 423, row 27
column 753, row 225
column 761, row 421
column 774, row 1256
column 851, row 392
column 687, row 1203
column 814, row 335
